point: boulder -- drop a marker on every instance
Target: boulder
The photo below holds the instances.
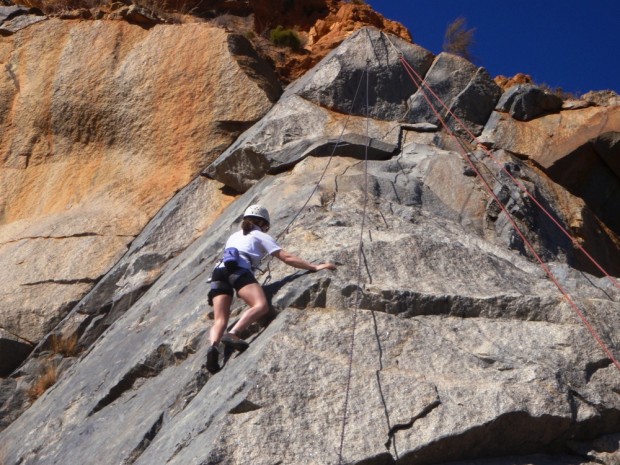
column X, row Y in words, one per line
column 525, row 102
column 307, row 120
column 549, row 138
column 94, row 144
column 467, row 91
column 292, row 130
column 338, row 82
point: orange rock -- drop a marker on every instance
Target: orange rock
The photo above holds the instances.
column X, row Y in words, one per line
column 102, row 123
column 322, row 30
column 330, row 32
column 548, row 141
column 549, row 138
column 506, row 82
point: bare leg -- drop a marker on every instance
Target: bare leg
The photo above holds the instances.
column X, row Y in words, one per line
column 221, row 310
column 254, row 296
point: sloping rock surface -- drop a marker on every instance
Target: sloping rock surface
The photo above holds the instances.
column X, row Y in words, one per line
column 294, row 127
column 460, row 349
column 332, row 82
column 95, row 143
column 459, row 90
column 448, row 322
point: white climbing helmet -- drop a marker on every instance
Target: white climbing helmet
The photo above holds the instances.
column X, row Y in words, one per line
column 257, row 211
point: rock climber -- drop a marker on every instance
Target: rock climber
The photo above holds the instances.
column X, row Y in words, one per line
column 243, row 252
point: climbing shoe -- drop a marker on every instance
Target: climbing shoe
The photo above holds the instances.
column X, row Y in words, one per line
column 212, row 360
column 234, row 341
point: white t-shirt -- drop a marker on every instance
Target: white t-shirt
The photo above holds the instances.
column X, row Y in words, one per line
column 255, row 245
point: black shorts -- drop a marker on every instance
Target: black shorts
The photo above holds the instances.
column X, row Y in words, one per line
column 223, row 281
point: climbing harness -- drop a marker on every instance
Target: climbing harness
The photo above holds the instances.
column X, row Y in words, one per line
column 224, row 281
column 231, row 258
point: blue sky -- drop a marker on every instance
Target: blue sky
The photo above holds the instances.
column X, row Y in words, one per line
column 570, row 44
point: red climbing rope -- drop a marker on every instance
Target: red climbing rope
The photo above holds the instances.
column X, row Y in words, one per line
column 519, row 184
column 419, row 82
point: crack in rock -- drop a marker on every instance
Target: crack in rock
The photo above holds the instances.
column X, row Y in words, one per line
column 160, row 359
column 244, row 406
column 70, row 236
column 189, row 391
column 145, row 442
column 403, row 426
column 62, row 281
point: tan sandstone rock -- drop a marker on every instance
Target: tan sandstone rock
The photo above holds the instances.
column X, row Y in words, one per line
column 549, row 138
column 102, row 123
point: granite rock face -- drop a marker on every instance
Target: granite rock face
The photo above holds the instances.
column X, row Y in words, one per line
column 94, row 144
column 460, row 90
column 292, row 130
column 297, row 124
column 448, row 322
column 460, row 349
column 331, row 83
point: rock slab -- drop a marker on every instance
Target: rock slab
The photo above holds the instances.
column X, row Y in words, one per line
column 94, row 144
column 489, row 349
